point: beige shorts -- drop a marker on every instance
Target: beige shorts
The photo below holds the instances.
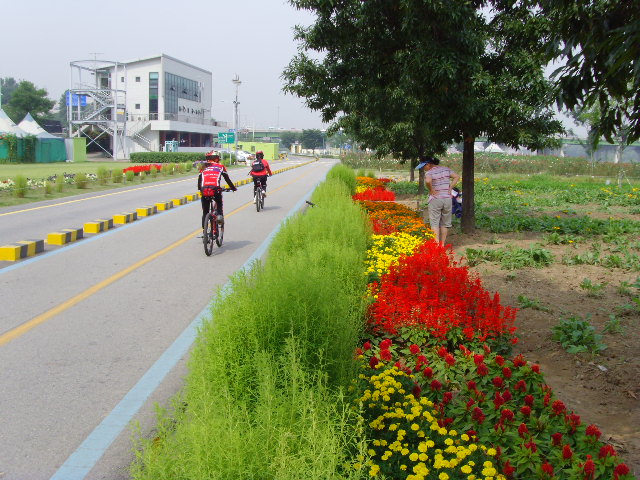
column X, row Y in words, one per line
column 440, row 213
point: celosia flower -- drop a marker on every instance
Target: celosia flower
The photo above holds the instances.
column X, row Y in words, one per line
column 499, row 360
column 471, row 385
column 526, row 410
column 478, row 415
column 506, row 372
column 414, row 349
column 547, row 468
column 508, row 470
column 589, row 468
column 566, row 452
column 607, row 451
column 498, row 382
column 621, row 469
column 482, row 370
column 523, row 430
column 450, row 359
column 593, row 431
column 528, row 399
column 506, row 396
column 367, row 346
column 557, row 438
column 478, row 359
column 373, row 361
column 436, row 385
column 506, row 414
column 558, row 407
column 428, row 372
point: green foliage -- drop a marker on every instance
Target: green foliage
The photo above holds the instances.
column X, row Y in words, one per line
column 59, row 183
column 312, row 139
column 510, row 257
column 613, row 325
column 345, row 175
column 103, row 175
column 166, row 157
column 117, row 175
column 595, row 290
column 20, row 186
column 577, row 335
column 29, row 148
column 48, row 187
column 81, row 180
column 129, row 175
column 534, row 304
column 26, row 98
column 403, row 188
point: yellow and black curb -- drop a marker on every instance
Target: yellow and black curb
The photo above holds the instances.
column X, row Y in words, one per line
column 28, row 248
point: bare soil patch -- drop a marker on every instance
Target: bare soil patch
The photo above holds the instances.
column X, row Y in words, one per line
column 603, row 390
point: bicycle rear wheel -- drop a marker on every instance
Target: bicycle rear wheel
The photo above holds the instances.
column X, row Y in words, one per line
column 258, row 199
column 209, row 233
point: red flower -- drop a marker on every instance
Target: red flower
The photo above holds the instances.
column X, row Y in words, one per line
column 506, row 414
column 478, row 415
column 417, row 391
column 523, row 430
column 478, row 359
column 483, row 370
column 436, row 385
column 499, row 360
column 589, row 468
column 498, row 400
column 526, row 411
column 422, row 360
column 367, row 346
column 528, row 399
column 414, row 349
column 450, row 359
column 566, row 452
column 471, row 385
column 621, row 469
column 447, row 397
column 531, row 445
column 557, row 438
column 506, row 395
column 385, row 355
column 547, row 468
column 521, row 386
column 470, row 403
column 498, row 382
column 607, row 451
column 385, row 344
column 428, row 372
column 373, row 361
column 593, row 431
column 558, row 407
column 535, row 368
column 519, row 361
column 506, row 372
column 508, row 470
column 442, row 352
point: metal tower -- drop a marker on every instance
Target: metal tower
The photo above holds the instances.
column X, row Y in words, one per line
column 96, row 102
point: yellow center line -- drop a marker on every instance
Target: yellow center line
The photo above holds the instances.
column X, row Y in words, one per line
column 34, row 322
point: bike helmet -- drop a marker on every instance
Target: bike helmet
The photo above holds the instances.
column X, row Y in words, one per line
column 260, row 154
column 212, row 155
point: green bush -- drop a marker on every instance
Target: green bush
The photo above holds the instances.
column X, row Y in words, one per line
column 117, row 176
column 48, row 187
column 130, row 175
column 102, row 175
column 166, row 157
column 60, row 183
column 81, row 180
column 20, row 186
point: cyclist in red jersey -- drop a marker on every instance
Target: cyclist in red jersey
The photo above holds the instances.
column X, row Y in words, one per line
column 259, row 171
column 209, row 179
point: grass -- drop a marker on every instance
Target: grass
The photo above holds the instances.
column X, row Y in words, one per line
column 101, row 176
column 265, row 394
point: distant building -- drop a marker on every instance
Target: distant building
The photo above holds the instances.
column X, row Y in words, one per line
column 143, row 103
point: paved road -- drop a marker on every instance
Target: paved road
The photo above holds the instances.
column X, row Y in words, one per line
column 98, row 331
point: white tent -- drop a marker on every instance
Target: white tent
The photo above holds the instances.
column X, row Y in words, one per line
column 494, row 148
column 29, row 125
column 7, row 126
column 478, row 147
column 452, row 149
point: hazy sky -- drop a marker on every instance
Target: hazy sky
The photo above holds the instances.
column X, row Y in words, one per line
column 251, row 38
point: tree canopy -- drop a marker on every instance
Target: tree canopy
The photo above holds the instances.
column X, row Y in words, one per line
column 410, row 77
column 26, row 98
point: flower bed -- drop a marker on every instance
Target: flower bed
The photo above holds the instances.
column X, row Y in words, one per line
column 437, row 378
column 137, row 169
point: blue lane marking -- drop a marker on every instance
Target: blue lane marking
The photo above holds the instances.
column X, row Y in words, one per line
column 80, row 462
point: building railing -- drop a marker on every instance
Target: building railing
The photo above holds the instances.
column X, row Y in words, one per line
column 175, row 118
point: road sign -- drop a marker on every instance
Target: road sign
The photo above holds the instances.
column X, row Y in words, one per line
column 226, row 137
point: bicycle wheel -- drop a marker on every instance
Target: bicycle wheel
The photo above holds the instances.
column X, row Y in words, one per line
column 262, row 199
column 258, row 199
column 220, row 234
column 208, row 236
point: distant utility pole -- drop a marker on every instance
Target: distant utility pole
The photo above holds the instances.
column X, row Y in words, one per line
column 236, row 81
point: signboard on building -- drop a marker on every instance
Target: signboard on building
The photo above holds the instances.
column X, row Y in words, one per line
column 76, row 98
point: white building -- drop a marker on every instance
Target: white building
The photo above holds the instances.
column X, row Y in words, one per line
column 141, row 104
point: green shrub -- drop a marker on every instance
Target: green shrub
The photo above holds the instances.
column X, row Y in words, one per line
column 166, row 157
column 20, row 186
column 130, row 175
column 117, row 176
column 60, row 183
column 81, row 180
column 102, row 175
column 48, row 187
column 577, row 335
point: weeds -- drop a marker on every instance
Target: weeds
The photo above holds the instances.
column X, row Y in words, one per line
column 510, row 257
column 577, row 335
column 595, row 290
column 525, row 302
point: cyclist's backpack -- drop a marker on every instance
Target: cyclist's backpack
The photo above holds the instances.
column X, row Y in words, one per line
column 257, row 165
column 210, row 181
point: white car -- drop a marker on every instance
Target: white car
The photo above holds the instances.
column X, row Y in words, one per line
column 246, row 157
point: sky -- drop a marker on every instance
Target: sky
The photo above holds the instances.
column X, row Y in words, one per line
column 249, row 38
column 253, row 39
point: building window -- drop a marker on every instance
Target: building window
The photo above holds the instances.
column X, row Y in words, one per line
column 153, row 92
column 137, row 79
column 122, row 79
column 137, row 106
column 177, row 87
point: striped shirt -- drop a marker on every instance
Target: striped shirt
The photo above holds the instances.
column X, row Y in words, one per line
column 440, row 181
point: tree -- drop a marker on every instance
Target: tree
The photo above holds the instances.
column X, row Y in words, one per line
column 61, row 114
column 410, row 77
column 599, row 44
column 26, row 98
column 311, row 138
column 289, row 138
column 8, row 86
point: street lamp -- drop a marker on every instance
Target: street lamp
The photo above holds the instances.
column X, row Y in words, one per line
column 236, row 81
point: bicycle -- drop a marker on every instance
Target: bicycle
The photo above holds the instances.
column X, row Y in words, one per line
column 213, row 229
column 259, row 197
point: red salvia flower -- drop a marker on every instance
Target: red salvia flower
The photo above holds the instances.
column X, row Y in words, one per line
column 508, row 470
column 478, row 415
column 506, row 414
column 386, row 343
column 589, row 468
column 482, row 370
column 470, row 403
column 558, row 407
column 506, row 395
column 385, row 355
column 417, row 391
column 498, row 382
column 471, row 385
column 478, row 359
column 535, row 368
column 621, row 469
column 519, row 361
column 447, row 397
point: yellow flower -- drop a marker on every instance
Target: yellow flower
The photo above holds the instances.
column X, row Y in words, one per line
column 443, row 476
column 375, row 469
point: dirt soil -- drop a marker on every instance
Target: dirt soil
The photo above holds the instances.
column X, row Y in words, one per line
column 603, row 390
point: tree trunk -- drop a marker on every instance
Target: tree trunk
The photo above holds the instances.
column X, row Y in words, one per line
column 468, row 221
column 421, row 187
column 412, row 175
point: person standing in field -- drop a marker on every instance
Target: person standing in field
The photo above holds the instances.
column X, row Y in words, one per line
column 440, row 181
